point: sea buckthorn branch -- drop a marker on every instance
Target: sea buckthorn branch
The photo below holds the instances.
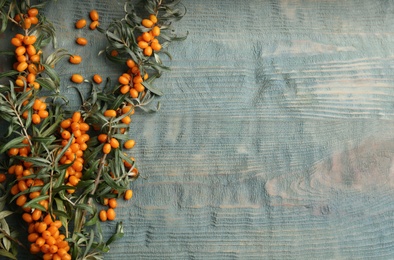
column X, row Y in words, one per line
column 32, row 125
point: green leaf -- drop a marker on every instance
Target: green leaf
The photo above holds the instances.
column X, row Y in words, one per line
column 8, row 73
column 36, row 200
column 5, row 213
column 14, row 142
column 152, row 89
column 8, row 254
column 119, row 233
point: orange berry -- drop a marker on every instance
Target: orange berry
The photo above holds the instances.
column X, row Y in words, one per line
column 45, row 249
column 97, row 78
column 77, row 78
column 103, row 138
column 130, row 63
column 33, row 237
column 16, row 42
column 143, row 44
column 80, row 23
column 94, row 15
column 75, row 59
column 22, row 66
column 147, row 23
column 129, row 144
column 66, row 134
column 153, row 18
column 32, row 68
column 65, row 123
column 155, row 31
column 112, row 203
column 21, row 200
column 21, row 58
column 42, row 226
column 32, row 12
column 76, row 116
column 3, row 177
column 139, row 87
column 156, row 46
column 110, row 113
column 114, row 53
column 107, row 148
column 133, row 93
column 27, row 23
column 103, row 215
column 34, row 249
column 111, row 214
column 114, row 143
column 31, row 78
column 43, row 114
column 14, row 189
column 126, row 120
column 27, row 218
column 50, row 241
column 146, row 36
column 125, row 89
column 36, row 215
column 128, row 194
column 82, row 41
column 123, row 80
column 36, row 119
column 33, row 20
column 148, row 51
column 93, row 25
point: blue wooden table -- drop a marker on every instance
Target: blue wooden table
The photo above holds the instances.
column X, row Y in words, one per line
column 275, row 136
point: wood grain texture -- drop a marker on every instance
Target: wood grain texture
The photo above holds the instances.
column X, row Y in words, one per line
column 275, row 136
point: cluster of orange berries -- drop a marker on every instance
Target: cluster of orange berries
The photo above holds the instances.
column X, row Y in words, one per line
column 39, row 111
column 74, row 128
column 147, row 40
column 131, row 81
column 112, row 203
column 46, row 238
column 28, row 61
column 27, row 20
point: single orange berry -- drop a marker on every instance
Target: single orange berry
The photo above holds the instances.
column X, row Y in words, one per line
column 21, row 200
column 76, row 117
column 94, row 15
column 147, row 23
column 128, row 194
column 97, row 78
column 110, row 113
column 133, row 93
column 103, row 138
column 112, row 203
column 146, row 36
column 32, row 12
column 80, row 23
column 103, row 215
column 16, row 42
column 3, row 177
column 36, row 119
column 106, row 148
column 148, row 51
column 93, row 25
column 114, row 143
column 129, row 144
column 155, row 31
column 111, row 214
column 130, row 63
column 153, row 18
column 81, row 41
column 77, row 78
column 75, row 59
column 143, row 44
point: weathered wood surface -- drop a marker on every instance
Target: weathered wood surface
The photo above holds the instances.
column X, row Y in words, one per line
column 275, row 137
